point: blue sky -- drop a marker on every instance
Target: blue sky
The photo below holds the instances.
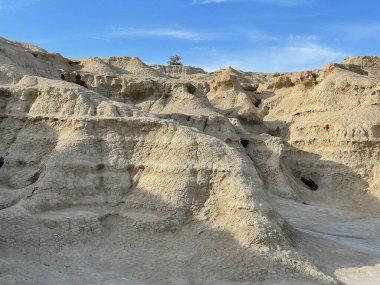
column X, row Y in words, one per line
column 253, row 35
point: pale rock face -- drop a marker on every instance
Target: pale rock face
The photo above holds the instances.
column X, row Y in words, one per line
column 228, row 96
column 334, row 127
column 118, row 172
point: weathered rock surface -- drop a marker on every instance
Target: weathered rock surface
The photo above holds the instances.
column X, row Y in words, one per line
column 116, row 172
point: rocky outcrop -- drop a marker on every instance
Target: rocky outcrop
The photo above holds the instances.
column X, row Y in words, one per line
column 171, row 175
column 370, row 64
column 179, row 70
column 331, row 128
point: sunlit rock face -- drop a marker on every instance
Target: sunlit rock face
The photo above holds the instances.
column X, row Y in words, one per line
column 116, row 172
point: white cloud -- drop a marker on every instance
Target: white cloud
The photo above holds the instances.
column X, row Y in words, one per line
column 256, row 35
column 200, row 2
column 129, row 32
column 294, row 56
column 99, row 38
column 303, row 38
column 304, row 56
column 283, row 2
column 16, row 4
column 298, row 52
column 359, row 32
column 206, row 49
column 273, row 2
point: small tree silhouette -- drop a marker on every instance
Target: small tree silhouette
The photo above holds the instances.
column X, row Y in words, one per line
column 175, row 60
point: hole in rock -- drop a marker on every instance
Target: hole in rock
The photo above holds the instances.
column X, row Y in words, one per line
column 5, row 93
column 244, row 143
column 100, row 166
column 62, row 76
column 257, row 104
column 35, row 55
column 72, row 63
column 188, row 118
column 35, row 177
column 191, row 88
column 79, row 81
column 310, row 183
column 1, row 161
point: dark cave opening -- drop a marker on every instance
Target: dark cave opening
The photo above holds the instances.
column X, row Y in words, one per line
column 244, row 143
column 310, row 183
column 79, row 81
column 100, row 166
column 73, row 63
column 191, row 88
column 1, row 161
column 258, row 103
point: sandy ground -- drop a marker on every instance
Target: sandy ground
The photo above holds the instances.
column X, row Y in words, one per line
column 339, row 239
column 343, row 242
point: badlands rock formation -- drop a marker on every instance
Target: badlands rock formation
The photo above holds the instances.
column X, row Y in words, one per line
column 116, row 172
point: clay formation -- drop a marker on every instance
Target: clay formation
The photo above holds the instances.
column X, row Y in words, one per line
column 116, row 172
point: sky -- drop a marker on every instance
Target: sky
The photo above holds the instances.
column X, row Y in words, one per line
column 251, row 35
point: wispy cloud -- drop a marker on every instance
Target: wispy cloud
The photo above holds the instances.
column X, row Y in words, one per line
column 357, row 32
column 305, row 54
column 99, row 38
column 294, row 54
column 16, row 4
column 257, row 35
column 298, row 52
column 207, row 49
column 201, row 2
column 284, row 2
column 272, row 2
column 182, row 34
column 303, row 38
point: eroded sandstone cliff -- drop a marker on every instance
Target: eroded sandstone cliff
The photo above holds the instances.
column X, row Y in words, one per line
column 116, row 172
